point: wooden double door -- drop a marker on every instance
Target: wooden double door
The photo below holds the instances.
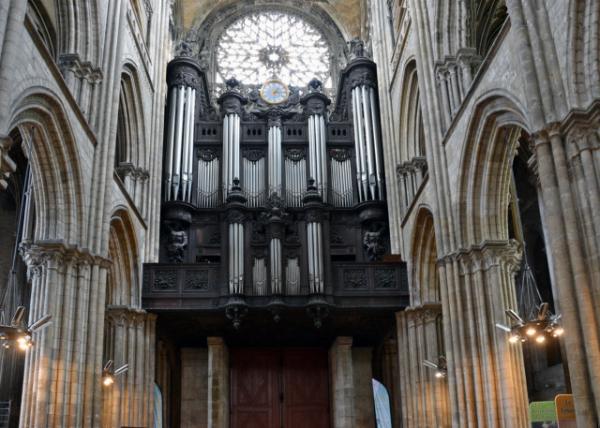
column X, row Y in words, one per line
column 279, row 388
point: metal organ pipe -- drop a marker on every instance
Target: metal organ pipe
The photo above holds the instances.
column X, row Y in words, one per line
column 185, row 143
column 170, row 140
column 226, row 156
column 177, row 145
column 323, row 145
column 376, row 134
column 361, row 143
column 191, row 145
column 367, row 140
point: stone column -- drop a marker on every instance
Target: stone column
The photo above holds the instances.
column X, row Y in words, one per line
column 485, row 372
column 129, row 339
column 62, row 370
column 194, row 386
column 364, row 402
column 218, row 383
column 568, row 173
column 425, row 397
column 342, row 383
column 391, row 379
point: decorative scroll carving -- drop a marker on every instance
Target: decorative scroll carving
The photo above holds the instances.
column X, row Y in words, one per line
column 253, row 155
column 295, row 155
column 207, row 155
column 385, row 278
column 355, row 278
column 314, row 216
column 196, row 280
column 316, row 105
column 165, row 280
column 235, row 216
column 340, row 155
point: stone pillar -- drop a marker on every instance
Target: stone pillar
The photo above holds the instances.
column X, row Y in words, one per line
column 568, row 173
column 362, row 373
column 218, row 383
column 342, row 383
column 425, row 397
column 129, row 339
column 486, row 377
column 194, row 386
column 61, row 386
column 391, row 379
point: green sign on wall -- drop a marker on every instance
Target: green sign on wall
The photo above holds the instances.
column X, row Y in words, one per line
column 543, row 414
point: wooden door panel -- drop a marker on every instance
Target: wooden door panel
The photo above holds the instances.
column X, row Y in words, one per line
column 255, row 388
column 274, row 388
column 305, row 388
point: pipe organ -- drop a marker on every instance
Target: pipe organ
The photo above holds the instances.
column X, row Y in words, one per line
column 272, row 201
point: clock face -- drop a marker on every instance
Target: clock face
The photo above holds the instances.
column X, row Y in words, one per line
column 274, row 92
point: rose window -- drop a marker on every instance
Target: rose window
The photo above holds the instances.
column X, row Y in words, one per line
column 264, row 45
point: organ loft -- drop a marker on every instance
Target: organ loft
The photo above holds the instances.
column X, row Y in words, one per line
column 299, row 213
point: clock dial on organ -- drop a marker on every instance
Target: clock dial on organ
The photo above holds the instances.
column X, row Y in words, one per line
column 274, row 92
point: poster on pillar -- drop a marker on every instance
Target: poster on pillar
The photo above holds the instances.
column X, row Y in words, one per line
column 542, row 414
column 565, row 411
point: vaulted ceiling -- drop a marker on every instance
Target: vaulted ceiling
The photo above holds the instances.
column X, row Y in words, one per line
column 349, row 15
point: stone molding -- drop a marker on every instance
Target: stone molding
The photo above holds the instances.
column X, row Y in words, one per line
column 56, row 254
column 71, row 62
column 487, row 254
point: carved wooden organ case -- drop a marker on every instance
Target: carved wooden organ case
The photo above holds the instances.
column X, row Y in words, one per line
column 273, row 204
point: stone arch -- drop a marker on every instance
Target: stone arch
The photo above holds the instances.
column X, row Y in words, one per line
column 424, row 259
column 206, row 31
column 583, row 67
column 450, row 33
column 43, row 16
column 411, row 133
column 468, row 24
column 130, row 147
column 494, row 128
column 123, row 285
column 49, row 142
column 78, row 29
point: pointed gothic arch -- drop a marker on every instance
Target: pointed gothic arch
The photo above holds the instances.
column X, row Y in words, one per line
column 424, row 258
column 484, row 190
column 42, row 121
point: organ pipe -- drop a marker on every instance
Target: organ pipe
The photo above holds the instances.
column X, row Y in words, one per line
column 275, row 170
column 180, row 143
column 275, row 251
column 367, row 143
column 317, row 152
column 231, row 151
column 170, row 140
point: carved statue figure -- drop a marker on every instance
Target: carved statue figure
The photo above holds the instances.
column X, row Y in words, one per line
column 357, row 48
column 176, row 244
column 184, row 48
column 373, row 243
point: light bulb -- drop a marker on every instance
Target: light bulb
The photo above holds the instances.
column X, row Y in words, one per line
column 540, row 339
column 531, row 331
column 24, row 342
column 108, row 380
column 514, row 338
column 439, row 374
column 558, row 331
